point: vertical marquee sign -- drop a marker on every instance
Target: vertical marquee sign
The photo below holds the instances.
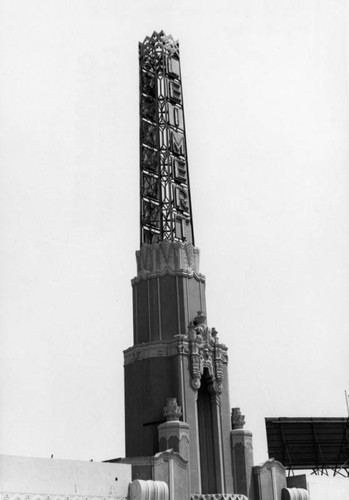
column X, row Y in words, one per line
column 164, row 184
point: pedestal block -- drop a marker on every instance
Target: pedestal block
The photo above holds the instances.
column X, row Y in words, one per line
column 270, row 480
column 242, row 453
column 171, row 468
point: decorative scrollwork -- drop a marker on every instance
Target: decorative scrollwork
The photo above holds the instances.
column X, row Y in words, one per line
column 166, row 255
column 172, row 411
column 206, row 353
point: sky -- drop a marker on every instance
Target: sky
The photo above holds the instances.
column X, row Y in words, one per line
column 265, row 86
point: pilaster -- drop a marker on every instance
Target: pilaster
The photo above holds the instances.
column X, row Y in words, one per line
column 174, row 434
column 242, row 453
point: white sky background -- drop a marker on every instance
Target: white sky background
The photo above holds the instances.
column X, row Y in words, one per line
column 266, row 103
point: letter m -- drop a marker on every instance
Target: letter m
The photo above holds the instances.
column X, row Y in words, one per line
column 177, row 143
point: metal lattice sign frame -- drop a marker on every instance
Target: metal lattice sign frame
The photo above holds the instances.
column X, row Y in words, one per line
column 165, row 206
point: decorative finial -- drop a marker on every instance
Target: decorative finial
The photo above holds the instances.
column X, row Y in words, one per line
column 200, row 319
column 237, row 420
column 172, row 411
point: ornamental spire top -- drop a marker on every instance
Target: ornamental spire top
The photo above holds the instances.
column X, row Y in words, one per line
column 164, row 178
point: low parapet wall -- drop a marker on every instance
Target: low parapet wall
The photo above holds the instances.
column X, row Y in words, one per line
column 24, row 478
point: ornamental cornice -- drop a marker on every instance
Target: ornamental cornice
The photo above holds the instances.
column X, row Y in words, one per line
column 167, row 433
column 181, row 273
column 203, row 349
column 168, row 256
column 201, row 344
column 242, row 440
column 166, row 456
column 269, row 465
column 156, row 349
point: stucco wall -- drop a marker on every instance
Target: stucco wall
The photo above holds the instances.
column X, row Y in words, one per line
column 45, row 476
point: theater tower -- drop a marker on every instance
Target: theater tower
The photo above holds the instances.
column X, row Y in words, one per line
column 174, row 354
